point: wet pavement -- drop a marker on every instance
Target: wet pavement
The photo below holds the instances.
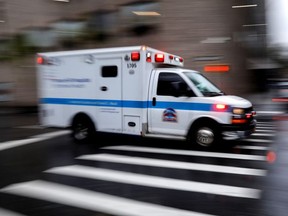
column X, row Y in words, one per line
column 43, row 164
column 19, row 125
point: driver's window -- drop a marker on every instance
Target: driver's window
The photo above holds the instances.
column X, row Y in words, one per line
column 171, row 84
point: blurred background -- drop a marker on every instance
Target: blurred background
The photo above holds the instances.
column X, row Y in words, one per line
column 239, row 44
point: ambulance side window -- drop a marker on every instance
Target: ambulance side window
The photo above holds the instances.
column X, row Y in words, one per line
column 109, row 71
column 171, row 84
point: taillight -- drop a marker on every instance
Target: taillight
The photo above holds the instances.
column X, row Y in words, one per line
column 135, row 56
column 159, row 57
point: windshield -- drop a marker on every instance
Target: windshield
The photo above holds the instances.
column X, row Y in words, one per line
column 203, row 84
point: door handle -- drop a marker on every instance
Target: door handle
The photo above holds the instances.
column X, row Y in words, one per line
column 154, row 101
column 104, row 88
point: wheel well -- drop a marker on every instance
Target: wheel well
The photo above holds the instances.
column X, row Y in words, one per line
column 82, row 115
column 203, row 120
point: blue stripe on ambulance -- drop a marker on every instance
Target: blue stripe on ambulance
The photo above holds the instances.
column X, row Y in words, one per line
column 130, row 104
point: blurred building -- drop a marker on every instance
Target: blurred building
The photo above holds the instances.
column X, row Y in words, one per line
column 223, row 39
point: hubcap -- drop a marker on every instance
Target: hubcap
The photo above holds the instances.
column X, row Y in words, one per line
column 205, row 137
column 81, row 132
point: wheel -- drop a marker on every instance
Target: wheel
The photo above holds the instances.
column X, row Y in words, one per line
column 83, row 129
column 205, row 135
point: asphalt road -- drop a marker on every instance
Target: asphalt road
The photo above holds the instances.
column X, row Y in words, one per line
column 44, row 173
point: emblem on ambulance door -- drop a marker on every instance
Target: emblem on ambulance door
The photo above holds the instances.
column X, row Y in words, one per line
column 170, row 115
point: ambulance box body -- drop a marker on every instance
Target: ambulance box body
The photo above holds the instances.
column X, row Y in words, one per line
column 136, row 90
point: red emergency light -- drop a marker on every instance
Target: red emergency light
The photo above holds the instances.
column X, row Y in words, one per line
column 148, row 57
column 179, row 59
column 135, row 56
column 220, row 107
column 40, row 60
column 159, row 57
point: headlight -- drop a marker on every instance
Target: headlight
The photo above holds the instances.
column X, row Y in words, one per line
column 238, row 111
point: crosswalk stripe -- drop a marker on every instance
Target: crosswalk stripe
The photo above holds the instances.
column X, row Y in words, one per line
column 186, row 152
column 173, row 164
column 264, row 148
column 266, row 131
column 266, row 123
column 264, row 127
column 258, row 140
column 263, row 134
column 155, row 181
column 90, row 200
column 33, row 139
column 5, row 212
column 270, row 112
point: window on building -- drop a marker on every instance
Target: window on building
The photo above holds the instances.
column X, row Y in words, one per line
column 2, row 12
column 140, row 17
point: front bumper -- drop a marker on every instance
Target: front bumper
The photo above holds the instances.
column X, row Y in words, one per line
column 233, row 132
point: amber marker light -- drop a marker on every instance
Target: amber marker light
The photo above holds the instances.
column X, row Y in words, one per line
column 239, row 121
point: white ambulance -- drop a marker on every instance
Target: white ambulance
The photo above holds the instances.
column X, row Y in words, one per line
column 136, row 90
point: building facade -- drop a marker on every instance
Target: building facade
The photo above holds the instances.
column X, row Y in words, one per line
column 206, row 33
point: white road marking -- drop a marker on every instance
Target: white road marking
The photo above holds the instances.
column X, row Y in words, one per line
column 187, row 152
column 173, row 164
column 264, row 148
column 269, row 112
column 154, row 181
column 93, row 201
column 264, row 127
column 6, row 212
column 33, row 139
column 266, row 131
column 258, row 140
column 265, row 124
column 263, row 134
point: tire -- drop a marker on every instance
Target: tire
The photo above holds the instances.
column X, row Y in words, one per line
column 83, row 129
column 205, row 135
